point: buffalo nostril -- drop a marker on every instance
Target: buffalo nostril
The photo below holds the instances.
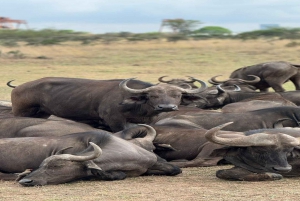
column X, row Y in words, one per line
column 166, row 107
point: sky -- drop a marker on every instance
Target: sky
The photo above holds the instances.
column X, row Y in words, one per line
column 139, row 16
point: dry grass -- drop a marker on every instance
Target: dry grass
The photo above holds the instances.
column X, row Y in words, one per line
column 147, row 61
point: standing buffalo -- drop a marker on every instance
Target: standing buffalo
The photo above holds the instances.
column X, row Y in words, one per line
column 271, row 74
column 111, row 104
column 257, row 156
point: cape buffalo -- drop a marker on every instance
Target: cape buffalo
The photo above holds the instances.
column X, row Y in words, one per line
column 245, row 85
column 272, row 74
column 110, row 104
column 258, row 156
column 179, row 82
column 218, row 97
column 284, row 116
column 52, row 161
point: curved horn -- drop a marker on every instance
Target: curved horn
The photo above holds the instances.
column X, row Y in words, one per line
column 215, row 82
column 8, row 84
column 192, row 79
column 163, row 81
column 151, row 132
column 256, row 80
column 96, row 153
column 258, row 139
column 220, row 90
column 236, row 88
column 198, row 90
column 123, row 85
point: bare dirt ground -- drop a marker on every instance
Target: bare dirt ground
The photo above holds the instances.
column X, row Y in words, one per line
column 193, row 184
column 148, row 61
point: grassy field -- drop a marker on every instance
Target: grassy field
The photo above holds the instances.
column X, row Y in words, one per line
column 146, row 61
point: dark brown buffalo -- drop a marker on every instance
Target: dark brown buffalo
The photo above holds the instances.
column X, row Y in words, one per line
column 219, row 97
column 272, row 74
column 110, row 104
column 244, row 121
column 245, row 85
column 256, row 103
column 270, row 155
column 179, row 82
column 120, row 158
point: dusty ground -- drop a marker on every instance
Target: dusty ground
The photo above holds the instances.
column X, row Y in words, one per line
column 192, row 184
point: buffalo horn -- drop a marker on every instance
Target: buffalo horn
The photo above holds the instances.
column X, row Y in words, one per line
column 258, row 139
column 8, row 84
column 195, row 91
column 216, row 82
column 123, row 85
column 96, row 153
column 151, row 133
column 236, row 88
column 163, row 81
column 220, row 89
column 256, row 80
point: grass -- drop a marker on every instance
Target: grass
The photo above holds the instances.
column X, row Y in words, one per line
column 147, row 61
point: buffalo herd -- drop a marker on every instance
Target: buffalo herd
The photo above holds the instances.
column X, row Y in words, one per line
column 57, row 130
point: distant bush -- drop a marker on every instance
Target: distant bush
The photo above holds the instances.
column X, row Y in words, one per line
column 292, row 44
column 9, row 43
column 280, row 33
column 16, row 54
column 212, row 31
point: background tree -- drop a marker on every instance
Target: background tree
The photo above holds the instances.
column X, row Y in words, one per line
column 213, row 31
column 180, row 25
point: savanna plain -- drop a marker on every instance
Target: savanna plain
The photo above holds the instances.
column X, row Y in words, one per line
column 147, row 61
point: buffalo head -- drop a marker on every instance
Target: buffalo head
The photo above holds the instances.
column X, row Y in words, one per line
column 180, row 82
column 245, row 85
column 64, row 168
column 162, row 97
column 215, row 98
column 260, row 152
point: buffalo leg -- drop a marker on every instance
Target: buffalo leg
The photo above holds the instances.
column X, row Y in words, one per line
column 109, row 175
column 30, row 112
column 296, row 81
column 8, row 176
column 197, row 162
column 162, row 167
column 240, row 174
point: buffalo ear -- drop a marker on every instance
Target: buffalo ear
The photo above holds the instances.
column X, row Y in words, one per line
column 91, row 165
column 134, row 99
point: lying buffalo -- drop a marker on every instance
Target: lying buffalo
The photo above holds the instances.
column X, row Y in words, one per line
column 258, row 156
column 179, row 82
column 245, row 85
column 111, row 104
column 271, row 74
column 244, row 121
column 218, row 97
column 60, row 159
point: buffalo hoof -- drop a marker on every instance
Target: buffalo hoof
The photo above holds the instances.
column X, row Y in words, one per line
column 274, row 176
column 239, row 174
